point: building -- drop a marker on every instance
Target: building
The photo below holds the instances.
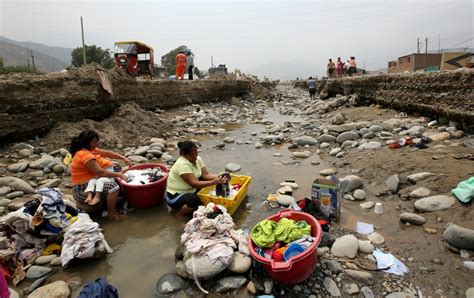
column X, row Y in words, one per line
column 414, row 62
column 455, row 60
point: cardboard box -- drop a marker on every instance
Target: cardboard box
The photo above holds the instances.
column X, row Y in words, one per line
column 326, row 195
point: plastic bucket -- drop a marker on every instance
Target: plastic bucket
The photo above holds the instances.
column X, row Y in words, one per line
column 147, row 195
column 300, row 266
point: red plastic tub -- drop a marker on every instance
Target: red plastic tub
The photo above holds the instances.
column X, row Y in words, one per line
column 301, row 266
column 142, row 196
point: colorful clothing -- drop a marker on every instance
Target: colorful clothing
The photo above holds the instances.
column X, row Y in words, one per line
column 176, row 183
column 79, row 172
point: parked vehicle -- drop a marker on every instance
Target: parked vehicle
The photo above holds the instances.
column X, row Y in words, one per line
column 134, row 57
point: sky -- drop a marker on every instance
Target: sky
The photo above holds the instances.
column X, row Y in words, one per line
column 277, row 39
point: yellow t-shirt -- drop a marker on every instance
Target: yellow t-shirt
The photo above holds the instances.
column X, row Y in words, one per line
column 176, row 183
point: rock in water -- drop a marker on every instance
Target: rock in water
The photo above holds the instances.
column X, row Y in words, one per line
column 303, row 154
column 35, row 272
column 434, row 203
column 412, row 218
column 345, row 246
column 205, row 269
column 232, row 167
column 169, row 283
column 240, row 263
column 57, row 289
column 229, row 283
column 459, row 237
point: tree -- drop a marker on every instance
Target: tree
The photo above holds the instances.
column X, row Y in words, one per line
column 93, row 54
column 1, row 62
column 168, row 61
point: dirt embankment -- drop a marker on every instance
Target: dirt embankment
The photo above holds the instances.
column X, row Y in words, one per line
column 446, row 94
column 32, row 104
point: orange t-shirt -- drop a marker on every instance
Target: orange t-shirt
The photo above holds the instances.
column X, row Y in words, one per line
column 80, row 174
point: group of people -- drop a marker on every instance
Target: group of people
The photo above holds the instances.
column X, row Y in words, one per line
column 184, row 60
column 341, row 69
column 94, row 176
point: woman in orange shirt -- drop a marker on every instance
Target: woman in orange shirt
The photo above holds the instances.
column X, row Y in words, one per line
column 90, row 162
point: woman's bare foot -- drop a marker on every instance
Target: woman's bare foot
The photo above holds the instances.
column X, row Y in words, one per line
column 89, row 198
column 117, row 216
column 94, row 201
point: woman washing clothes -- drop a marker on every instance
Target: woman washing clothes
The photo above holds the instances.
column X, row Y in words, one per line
column 186, row 177
column 90, row 163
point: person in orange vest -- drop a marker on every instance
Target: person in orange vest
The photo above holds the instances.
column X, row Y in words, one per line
column 181, row 65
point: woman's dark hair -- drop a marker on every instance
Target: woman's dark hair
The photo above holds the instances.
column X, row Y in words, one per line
column 186, row 147
column 82, row 141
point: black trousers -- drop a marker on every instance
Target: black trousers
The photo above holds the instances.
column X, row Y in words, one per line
column 190, row 72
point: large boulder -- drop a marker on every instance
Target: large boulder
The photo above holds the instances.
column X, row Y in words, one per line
column 42, row 162
column 240, row 263
column 345, row 246
column 412, row 218
column 16, row 184
column 204, row 268
column 434, row 203
column 57, row 289
column 391, row 124
column 169, row 283
column 459, row 237
column 353, row 182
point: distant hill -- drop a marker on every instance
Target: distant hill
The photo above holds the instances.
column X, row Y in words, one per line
column 47, row 59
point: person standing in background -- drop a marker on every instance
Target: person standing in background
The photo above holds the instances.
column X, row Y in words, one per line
column 312, row 87
column 330, row 68
column 346, row 68
column 352, row 66
column 180, row 65
column 339, row 68
column 190, row 62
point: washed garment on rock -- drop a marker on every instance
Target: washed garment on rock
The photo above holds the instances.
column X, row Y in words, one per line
column 465, row 190
column 210, row 236
column 80, row 239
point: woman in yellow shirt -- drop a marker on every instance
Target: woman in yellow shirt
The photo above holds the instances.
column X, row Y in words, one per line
column 90, row 162
column 186, row 177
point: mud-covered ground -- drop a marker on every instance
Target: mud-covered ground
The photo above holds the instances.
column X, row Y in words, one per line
column 144, row 244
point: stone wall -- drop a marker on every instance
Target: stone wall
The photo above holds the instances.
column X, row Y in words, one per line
column 446, row 94
column 32, row 104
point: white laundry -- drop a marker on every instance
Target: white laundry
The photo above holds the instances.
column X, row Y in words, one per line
column 81, row 238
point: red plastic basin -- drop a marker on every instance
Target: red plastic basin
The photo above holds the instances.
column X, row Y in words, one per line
column 147, row 195
column 299, row 267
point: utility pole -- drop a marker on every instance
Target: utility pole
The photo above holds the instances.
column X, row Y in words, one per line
column 439, row 43
column 426, row 45
column 83, row 46
column 418, row 45
column 33, row 61
column 28, row 58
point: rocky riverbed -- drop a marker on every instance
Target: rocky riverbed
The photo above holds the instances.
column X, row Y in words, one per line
column 285, row 136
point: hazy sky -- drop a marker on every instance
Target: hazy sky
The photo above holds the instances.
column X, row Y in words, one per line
column 280, row 39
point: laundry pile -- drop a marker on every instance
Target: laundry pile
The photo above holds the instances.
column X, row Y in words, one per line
column 81, row 240
column 37, row 229
column 210, row 235
column 144, row 176
column 281, row 240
